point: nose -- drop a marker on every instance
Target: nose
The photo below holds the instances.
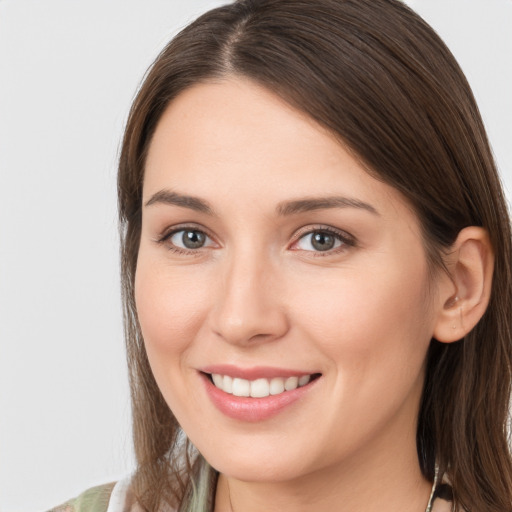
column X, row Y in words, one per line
column 249, row 308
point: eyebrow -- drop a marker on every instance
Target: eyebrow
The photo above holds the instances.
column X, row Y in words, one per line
column 173, row 198
column 285, row 208
column 320, row 203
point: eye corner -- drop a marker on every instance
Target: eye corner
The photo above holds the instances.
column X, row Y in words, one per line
column 328, row 241
column 175, row 239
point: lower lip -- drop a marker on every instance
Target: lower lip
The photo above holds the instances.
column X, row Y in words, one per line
column 253, row 409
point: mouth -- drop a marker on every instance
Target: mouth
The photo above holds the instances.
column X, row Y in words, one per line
column 259, row 393
column 259, row 388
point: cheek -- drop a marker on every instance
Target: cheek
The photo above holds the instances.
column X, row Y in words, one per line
column 371, row 324
column 373, row 330
column 170, row 308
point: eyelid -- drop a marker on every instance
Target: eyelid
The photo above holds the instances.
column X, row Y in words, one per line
column 346, row 238
column 167, row 233
column 170, row 230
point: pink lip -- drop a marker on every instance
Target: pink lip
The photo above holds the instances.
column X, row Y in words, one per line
column 253, row 409
column 253, row 373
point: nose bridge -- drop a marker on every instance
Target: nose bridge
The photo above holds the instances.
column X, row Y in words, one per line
column 248, row 306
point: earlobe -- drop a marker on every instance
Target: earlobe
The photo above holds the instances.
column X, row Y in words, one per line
column 463, row 302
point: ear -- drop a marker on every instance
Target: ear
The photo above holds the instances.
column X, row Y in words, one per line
column 464, row 293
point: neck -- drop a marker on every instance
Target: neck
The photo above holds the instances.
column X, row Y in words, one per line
column 375, row 481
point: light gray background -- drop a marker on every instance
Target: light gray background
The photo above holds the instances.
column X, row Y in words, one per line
column 68, row 71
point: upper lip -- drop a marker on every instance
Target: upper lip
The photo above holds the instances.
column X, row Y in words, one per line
column 253, row 372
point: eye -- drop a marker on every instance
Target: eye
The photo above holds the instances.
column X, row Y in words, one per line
column 187, row 240
column 322, row 240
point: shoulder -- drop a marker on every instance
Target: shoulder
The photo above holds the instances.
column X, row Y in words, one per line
column 95, row 499
column 113, row 497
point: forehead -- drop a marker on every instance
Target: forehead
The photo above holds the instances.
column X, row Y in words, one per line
column 237, row 142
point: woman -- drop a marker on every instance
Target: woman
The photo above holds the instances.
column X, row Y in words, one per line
column 316, row 259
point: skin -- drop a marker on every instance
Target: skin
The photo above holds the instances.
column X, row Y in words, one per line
column 259, row 293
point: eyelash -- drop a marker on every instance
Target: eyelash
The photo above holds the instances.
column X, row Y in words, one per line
column 165, row 239
column 346, row 239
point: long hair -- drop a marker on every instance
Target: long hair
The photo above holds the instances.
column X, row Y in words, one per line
column 380, row 79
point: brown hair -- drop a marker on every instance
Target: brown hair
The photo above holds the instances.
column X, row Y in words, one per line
column 377, row 76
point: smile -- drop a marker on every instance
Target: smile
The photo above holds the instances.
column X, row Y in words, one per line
column 257, row 394
column 259, row 388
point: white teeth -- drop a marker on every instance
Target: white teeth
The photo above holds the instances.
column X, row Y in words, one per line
column 241, row 387
column 291, row 383
column 276, row 386
column 259, row 388
column 218, row 380
column 304, row 380
column 227, row 384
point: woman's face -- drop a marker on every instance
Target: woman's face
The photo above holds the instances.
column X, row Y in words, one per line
column 271, row 259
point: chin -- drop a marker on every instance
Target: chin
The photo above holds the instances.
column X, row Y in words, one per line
column 256, row 471
column 259, row 464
